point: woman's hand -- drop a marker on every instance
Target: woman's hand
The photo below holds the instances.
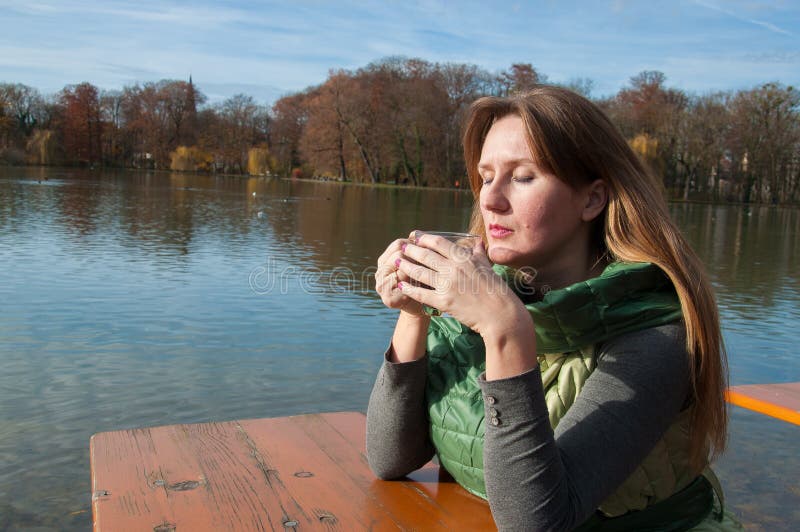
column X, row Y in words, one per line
column 459, row 281
column 388, row 276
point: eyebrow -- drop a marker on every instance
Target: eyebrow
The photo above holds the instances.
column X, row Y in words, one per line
column 514, row 162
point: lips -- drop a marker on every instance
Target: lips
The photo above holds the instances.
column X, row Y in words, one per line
column 499, row 231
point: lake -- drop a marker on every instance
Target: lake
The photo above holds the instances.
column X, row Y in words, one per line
column 139, row 299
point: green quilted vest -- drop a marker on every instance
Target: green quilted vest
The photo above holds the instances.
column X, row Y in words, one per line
column 569, row 322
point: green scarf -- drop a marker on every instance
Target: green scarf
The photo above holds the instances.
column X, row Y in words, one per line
column 626, row 297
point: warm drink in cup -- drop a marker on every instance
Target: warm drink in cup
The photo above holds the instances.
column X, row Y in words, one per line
column 463, row 244
column 465, row 240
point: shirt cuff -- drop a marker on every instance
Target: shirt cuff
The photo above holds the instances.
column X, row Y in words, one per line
column 513, row 400
column 401, row 372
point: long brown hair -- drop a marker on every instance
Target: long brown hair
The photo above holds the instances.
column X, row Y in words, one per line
column 573, row 139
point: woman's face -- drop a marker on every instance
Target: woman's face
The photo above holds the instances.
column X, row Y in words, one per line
column 531, row 217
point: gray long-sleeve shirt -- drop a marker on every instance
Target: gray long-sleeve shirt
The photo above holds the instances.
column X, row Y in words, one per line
column 538, row 479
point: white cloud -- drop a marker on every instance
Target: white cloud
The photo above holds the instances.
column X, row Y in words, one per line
column 763, row 24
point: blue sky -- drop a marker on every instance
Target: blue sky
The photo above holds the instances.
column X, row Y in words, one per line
column 267, row 49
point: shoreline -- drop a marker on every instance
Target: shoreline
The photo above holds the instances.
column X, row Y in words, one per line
column 362, row 184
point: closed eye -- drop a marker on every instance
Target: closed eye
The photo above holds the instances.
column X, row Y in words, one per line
column 523, row 179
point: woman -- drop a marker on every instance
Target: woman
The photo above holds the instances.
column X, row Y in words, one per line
column 579, row 381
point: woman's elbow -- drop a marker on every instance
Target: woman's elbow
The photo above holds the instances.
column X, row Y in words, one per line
column 392, row 463
column 386, row 471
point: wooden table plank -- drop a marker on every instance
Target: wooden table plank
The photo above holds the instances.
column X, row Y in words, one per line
column 203, row 476
column 318, row 482
column 781, row 401
column 448, row 505
column 301, row 472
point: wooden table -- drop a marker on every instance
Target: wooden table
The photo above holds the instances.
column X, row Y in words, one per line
column 300, row 472
column 781, row 401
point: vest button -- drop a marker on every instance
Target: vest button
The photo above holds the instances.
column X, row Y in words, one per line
column 493, row 412
column 495, row 421
column 490, row 399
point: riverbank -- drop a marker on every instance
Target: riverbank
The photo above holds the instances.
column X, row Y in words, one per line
column 401, row 186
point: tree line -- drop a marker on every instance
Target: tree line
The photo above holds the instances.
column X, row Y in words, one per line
column 398, row 120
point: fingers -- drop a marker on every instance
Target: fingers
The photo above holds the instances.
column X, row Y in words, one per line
column 388, row 275
column 389, row 265
column 392, row 248
column 417, row 293
column 460, row 249
column 386, row 282
column 479, row 248
column 437, row 262
column 427, row 257
column 419, row 273
column 387, row 261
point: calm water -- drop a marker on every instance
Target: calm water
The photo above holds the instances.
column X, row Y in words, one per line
column 131, row 300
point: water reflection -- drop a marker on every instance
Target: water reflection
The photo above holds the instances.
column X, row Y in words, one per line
column 752, row 253
column 127, row 299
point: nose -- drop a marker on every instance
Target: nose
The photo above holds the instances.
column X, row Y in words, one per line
column 493, row 197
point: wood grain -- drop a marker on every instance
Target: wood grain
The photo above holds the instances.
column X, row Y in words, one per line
column 295, row 473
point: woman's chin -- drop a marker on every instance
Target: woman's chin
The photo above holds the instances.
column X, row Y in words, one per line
column 503, row 256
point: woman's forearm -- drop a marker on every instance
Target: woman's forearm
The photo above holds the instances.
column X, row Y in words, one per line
column 510, row 347
column 408, row 341
column 397, row 422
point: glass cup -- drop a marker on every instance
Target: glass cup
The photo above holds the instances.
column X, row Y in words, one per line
column 462, row 250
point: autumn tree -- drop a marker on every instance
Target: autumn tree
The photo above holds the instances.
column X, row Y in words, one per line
column 324, row 143
column 462, row 83
column 190, row 159
column 242, row 124
column 23, row 105
column 260, row 161
column 111, row 116
column 644, row 101
column 6, row 122
column 342, row 125
column 208, row 127
column 417, row 106
column 158, row 117
column 647, row 107
column 43, row 148
column 180, row 100
column 581, row 85
column 397, row 119
column 702, row 143
column 520, row 77
column 766, row 137
column 81, row 124
column 363, row 117
column 23, row 111
column 289, row 116
column 146, row 122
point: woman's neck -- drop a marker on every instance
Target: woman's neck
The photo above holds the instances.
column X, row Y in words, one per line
column 560, row 276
